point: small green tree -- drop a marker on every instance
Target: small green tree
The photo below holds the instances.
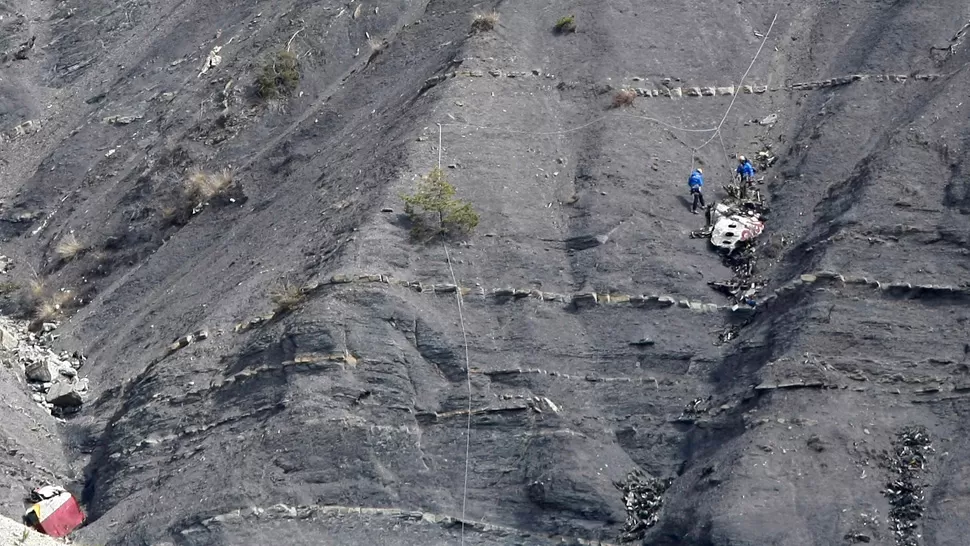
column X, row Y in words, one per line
column 280, row 75
column 435, row 212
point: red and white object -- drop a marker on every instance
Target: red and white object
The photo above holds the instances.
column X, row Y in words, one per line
column 57, row 513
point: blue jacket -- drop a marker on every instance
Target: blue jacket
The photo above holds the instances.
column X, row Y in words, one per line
column 746, row 169
column 696, row 180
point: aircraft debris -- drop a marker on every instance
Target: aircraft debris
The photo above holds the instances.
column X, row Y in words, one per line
column 55, row 512
column 643, row 498
column 905, row 490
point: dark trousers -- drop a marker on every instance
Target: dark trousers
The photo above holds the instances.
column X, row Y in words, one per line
column 698, row 198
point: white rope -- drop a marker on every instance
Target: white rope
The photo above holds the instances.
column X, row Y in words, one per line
column 740, row 83
column 727, row 157
column 468, row 381
column 458, row 296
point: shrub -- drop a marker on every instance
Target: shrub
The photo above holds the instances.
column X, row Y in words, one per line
column 69, row 248
column 287, row 296
column 201, row 186
column 566, row 24
column 8, row 287
column 279, row 76
column 434, row 211
column 484, row 22
column 43, row 304
column 624, row 97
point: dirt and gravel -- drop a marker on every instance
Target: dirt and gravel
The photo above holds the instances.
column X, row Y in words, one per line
column 596, row 347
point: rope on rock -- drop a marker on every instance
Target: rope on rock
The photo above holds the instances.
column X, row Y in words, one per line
column 468, row 381
column 734, row 98
column 468, row 376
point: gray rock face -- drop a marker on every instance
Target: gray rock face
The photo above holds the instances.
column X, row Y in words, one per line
column 870, row 181
column 42, row 371
column 8, row 340
column 63, row 393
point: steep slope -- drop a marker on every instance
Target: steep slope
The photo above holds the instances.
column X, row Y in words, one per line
column 348, row 417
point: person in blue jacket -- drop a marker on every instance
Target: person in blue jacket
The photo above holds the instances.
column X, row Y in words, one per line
column 745, row 170
column 696, row 183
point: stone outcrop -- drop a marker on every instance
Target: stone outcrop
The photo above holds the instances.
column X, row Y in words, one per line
column 65, row 393
column 52, row 378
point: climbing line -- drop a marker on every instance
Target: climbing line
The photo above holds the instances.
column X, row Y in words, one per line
column 468, row 381
column 741, row 82
column 727, row 158
column 468, row 377
column 715, row 130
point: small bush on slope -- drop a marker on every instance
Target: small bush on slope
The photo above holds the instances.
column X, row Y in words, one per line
column 435, row 212
column 484, row 22
column 279, row 76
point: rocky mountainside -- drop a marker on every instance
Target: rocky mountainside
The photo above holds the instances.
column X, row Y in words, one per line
column 208, row 249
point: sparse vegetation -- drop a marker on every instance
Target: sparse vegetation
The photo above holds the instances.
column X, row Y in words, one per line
column 624, row 97
column 279, row 75
column 287, row 296
column 43, row 304
column 201, row 186
column 484, row 22
column 434, row 211
column 69, row 248
column 8, row 287
column 566, row 24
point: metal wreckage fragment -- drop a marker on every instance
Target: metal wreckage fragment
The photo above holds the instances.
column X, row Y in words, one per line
column 733, row 225
column 904, row 490
column 643, row 498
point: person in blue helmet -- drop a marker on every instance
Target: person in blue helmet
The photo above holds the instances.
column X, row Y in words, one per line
column 696, row 183
column 745, row 170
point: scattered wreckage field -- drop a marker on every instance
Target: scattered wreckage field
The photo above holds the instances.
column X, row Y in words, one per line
column 282, row 361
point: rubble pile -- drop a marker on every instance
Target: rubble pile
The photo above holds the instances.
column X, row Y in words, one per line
column 904, row 490
column 696, row 408
column 643, row 498
column 51, row 377
column 765, row 158
column 733, row 224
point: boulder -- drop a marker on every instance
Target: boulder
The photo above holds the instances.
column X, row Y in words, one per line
column 584, row 242
column 63, row 393
column 8, row 340
column 40, row 371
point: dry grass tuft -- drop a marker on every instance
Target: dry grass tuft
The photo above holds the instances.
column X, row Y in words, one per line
column 37, row 288
column 624, row 97
column 69, row 248
column 484, row 22
column 201, row 186
column 46, row 311
column 280, row 75
column 45, row 305
column 287, row 296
